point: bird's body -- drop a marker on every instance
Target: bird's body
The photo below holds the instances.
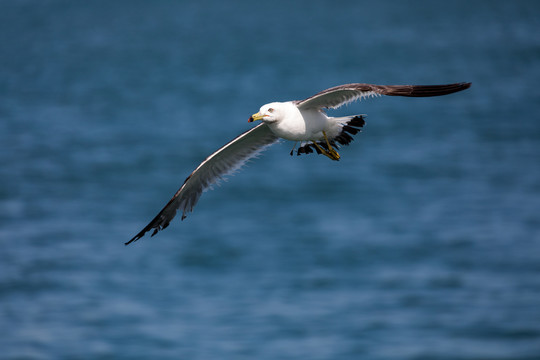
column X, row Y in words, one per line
column 302, row 125
column 303, row 121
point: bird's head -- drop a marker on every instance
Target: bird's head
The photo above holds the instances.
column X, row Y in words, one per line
column 269, row 113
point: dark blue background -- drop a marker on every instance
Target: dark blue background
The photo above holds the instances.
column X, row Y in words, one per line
column 422, row 243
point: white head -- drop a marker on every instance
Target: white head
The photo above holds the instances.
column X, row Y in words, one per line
column 270, row 113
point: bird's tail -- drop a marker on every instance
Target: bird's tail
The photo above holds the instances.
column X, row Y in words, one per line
column 344, row 120
column 350, row 125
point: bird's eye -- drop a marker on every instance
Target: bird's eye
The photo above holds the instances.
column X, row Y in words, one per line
column 270, row 110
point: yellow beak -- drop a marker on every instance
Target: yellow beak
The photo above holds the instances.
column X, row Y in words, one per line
column 256, row 117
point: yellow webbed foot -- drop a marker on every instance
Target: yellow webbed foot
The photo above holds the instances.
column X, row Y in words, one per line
column 331, row 153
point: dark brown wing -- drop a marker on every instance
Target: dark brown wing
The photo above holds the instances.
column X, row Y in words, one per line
column 343, row 94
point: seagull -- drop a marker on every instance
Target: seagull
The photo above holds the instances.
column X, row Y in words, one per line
column 302, row 121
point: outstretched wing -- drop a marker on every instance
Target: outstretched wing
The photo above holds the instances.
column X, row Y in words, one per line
column 222, row 162
column 343, row 94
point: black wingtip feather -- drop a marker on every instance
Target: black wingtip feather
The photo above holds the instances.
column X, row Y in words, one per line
column 136, row 237
column 422, row 90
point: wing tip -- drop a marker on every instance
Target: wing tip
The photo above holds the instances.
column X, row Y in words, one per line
column 144, row 231
column 137, row 237
column 461, row 85
column 458, row 87
column 424, row 90
column 153, row 225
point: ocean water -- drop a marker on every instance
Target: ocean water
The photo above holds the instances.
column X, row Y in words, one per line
column 423, row 242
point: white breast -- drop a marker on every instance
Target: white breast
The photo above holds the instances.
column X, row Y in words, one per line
column 299, row 125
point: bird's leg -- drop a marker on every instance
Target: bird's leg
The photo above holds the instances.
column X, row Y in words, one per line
column 331, row 150
column 324, row 152
column 294, row 147
column 331, row 153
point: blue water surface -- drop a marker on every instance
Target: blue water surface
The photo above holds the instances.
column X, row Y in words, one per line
column 423, row 242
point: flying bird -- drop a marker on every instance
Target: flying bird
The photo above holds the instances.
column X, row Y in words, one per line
column 302, row 121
